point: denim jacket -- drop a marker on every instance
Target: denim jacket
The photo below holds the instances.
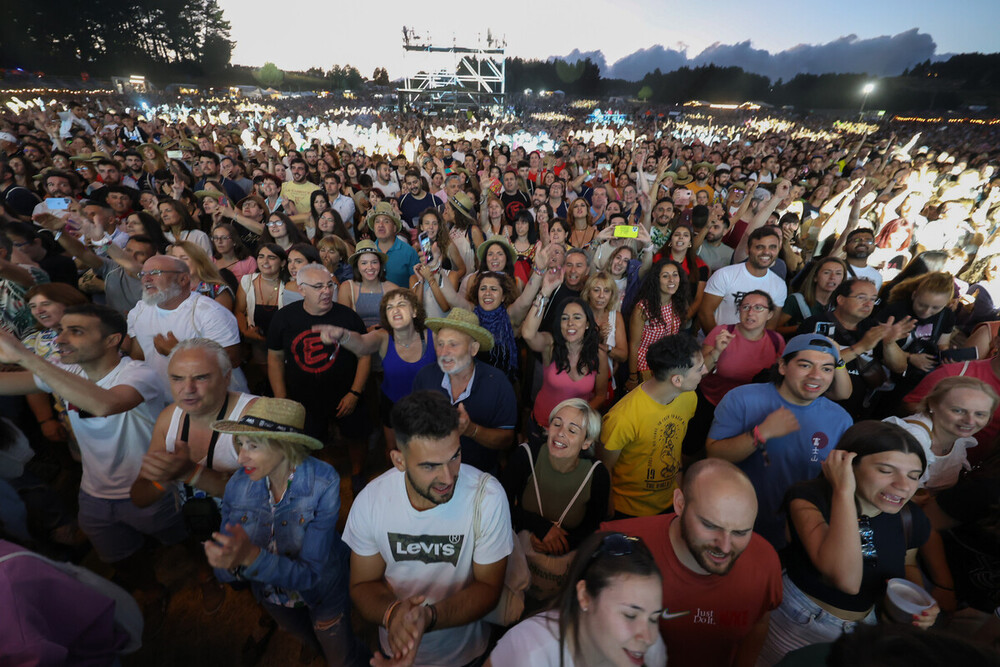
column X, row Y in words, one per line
column 311, row 558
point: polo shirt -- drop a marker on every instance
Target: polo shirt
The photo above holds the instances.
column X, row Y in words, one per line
column 489, row 401
column 399, row 263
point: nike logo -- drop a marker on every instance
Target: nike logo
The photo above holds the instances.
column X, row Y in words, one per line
column 666, row 614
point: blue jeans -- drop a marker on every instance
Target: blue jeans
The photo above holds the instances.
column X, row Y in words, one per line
column 800, row 622
column 331, row 636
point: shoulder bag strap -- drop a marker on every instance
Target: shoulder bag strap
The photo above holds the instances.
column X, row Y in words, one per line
column 917, row 422
column 578, row 492
column 185, row 429
column 965, row 367
column 534, row 478
column 476, row 502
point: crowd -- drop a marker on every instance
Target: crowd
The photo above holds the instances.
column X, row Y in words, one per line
column 670, row 391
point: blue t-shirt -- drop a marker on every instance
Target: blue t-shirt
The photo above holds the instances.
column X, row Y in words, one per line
column 399, row 263
column 490, row 402
column 795, row 457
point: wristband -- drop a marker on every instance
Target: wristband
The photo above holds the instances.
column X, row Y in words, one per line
column 538, row 271
column 434, row 617
column 55, row 237
column 351, row 391
column 759, row 442
column 388, row 613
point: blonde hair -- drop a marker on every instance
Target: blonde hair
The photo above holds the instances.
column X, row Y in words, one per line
column 938, row 282
column 293, row 452
column 939, row 390
column 601, row 277
column 204, row 267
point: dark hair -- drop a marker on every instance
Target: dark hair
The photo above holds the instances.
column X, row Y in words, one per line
column 846, row 286
column 316, row 194
column 419, row 316
column 307, row 250
column 187, row 222
column 239, row 248
column 211, row 156
column 153, row 230
column 589, row 361
column 874, row 437
column 112, row 321
column 759, row 292
column 672, row 354
column 895, row 645
column 926, row 262
column 859, row 230
column 649, row 292
column 508, row 287
column 763, row 232
column 281, row 255
column 596, row 565
column 424, row 414
column 294, row 234
column 62, row 293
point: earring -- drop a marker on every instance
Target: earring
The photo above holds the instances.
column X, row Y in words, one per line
column 584, row 609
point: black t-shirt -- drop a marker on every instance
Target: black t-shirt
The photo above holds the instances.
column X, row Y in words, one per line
column 61, row 269
column 513, row 204
column 890, row 547
column 924, row 336
column 855, row 403
column 316, row 375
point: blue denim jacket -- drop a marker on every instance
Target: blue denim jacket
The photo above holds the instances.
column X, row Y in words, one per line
column 311, row 558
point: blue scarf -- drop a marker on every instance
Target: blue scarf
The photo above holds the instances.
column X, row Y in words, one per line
column 503, row 356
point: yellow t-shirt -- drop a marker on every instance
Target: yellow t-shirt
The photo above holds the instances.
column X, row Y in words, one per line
column 649, row 436
column 298, row 193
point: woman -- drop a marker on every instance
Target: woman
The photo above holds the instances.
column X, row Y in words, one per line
column 573, row 363
column 493, row 220
column 318, row 204
column 249, row 214
column 607, row 613
column 495, row 255
column 282, row 231
column 205, row 278
column 849, row 535
column 279, row 529
column 178, row 225
column 148, row 202
column 432, row 224
column 364, row 292
column 584, row 231
column 333, row 253
column 982, row 303
column 558, row 232
column 682, row 252
column 818, row 286
column 734, row 355
column 299, row 255
column 403, row 343
column 946, row 420
column 625, row 268
column 601, row 293
column 229, row 252
column 660, row 308
column 329, row 224
column 555, row 502
column 144, row 224
column 525, row 244
column 258, row 298
column 924, row 298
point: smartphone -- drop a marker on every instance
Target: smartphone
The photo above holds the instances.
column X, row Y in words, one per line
column 952, row 355
column 175, row 155
column 425, row 245
column 826, row 328
column 626, row 231
column 57, row 203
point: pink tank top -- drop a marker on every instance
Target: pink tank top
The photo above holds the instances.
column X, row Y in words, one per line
column 556, row 388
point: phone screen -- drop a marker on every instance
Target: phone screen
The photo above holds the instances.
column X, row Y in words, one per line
column 425, row 245
column 57, row 203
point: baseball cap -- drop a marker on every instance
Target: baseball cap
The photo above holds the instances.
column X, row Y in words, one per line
column 814, row 342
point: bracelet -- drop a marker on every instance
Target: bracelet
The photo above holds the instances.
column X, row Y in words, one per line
column 191, row 481
column 55, row 237
column 475, row 433
column 356, row 393
column 538, row 271
column 434, row 617
column 388, row 613
column 758, row 439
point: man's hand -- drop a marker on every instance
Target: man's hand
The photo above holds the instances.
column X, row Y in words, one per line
column 49, row 221
column 164, row 344
column 347, row 405
column 406, row 625
column 53, row 430
column 922, row 361
column 464, row 422
column 779, row 423
column 164, row 466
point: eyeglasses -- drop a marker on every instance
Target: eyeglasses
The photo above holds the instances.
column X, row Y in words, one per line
column 757, row 308
column 329, row 285
column 864, row 298
column 156, row 272
column 222, row 238
column 867, row 533
column 275, row 223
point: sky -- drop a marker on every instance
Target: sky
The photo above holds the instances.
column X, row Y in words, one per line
column 626, row 37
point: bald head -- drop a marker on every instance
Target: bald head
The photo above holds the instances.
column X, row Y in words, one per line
column 716, row 477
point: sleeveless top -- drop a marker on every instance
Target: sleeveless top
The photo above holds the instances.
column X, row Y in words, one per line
column 225, row 458
column 556, row 388
column 399, row 374
column 431, row 306
column 367, row 305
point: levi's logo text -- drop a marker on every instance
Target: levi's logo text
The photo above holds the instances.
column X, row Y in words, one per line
column 426, row 548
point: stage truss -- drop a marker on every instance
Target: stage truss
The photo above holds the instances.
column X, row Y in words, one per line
column 453, row 78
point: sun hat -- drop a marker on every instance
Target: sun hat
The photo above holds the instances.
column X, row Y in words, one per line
column 464, row 204
column 503, row 243
column 706, row 165
column 683, row 177
column 814, row 342
column 465, row 321
column 276, row 418
column 383, row 208
column 158, row 149
column 365, row 246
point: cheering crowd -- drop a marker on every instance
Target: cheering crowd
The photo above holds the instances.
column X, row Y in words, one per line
column 600, row 395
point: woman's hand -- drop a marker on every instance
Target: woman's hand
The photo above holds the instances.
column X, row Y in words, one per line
column 329, row 334
column 927, row 617
column 839, row 470
column 229, row 551
column 722, row 341
column 922, row 361
column 556, row 541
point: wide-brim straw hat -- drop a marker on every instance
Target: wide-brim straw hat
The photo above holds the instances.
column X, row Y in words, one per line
column 383, row 208
column 274, row 418
column 366, row 246
column 706, row 165
column 465, row 321
column 683, row 177
column 503, row 243
column 464, row 204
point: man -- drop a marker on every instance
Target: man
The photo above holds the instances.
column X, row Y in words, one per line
column 414, row 538
column 712, row 250
column 339, row 202
column 643, row 433
column 134, row 170
column 75, row 118
column 299, row 189
column 719, row 303
column 864, row 343
column 170, row 312
column 111, row 174
column 780, row 433
column 129, row 133
column 57, row 185
column 702, row 171
column 860, row 243
column 230, row 169
column 211, row 171
column 415, row 201
column 112, row 403
column 326, row 379
column 482, row 393
column 59, row 267
column 662, row 219
column 513, row 200
column 720, row 580
column 384, row 179
column 556, row 192
column 576, row 270
column 400, row 256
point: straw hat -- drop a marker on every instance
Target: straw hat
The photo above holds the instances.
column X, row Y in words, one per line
column 465, row 321
column 683, row 177
column 365, row 246
column 274, row 418
column 158, row 149
column 464, row 204
column 503, row 243
column 383, row 208
column 706, row 165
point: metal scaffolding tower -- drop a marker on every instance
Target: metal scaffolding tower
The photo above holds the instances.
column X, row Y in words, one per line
column 453, row 78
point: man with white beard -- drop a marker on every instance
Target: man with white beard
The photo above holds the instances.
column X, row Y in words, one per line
column 170, row 312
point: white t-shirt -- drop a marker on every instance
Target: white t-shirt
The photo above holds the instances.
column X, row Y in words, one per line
column 869, row 273
column 198, row 316
column 112, row 447
column 431, row 553
column 534, row 642
column 729, row 281
column 942, row 471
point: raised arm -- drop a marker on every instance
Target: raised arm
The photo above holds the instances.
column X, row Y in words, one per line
column 540, row 341
column 763, row 213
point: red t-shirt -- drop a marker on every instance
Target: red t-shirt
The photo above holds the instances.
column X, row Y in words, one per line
column 723, row 609
column 740, row 361
column 981, row 370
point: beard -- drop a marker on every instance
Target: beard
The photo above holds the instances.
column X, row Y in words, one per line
column 459, row 366
column 698, row 551
column 428, row 493
column 161, row 296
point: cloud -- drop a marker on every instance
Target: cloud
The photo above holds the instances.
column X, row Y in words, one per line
column 886, row 55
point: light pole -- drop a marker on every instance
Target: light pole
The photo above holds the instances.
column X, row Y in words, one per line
column 869, row 87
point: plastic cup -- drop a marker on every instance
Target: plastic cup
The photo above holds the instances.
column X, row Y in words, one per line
column 904, row 600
